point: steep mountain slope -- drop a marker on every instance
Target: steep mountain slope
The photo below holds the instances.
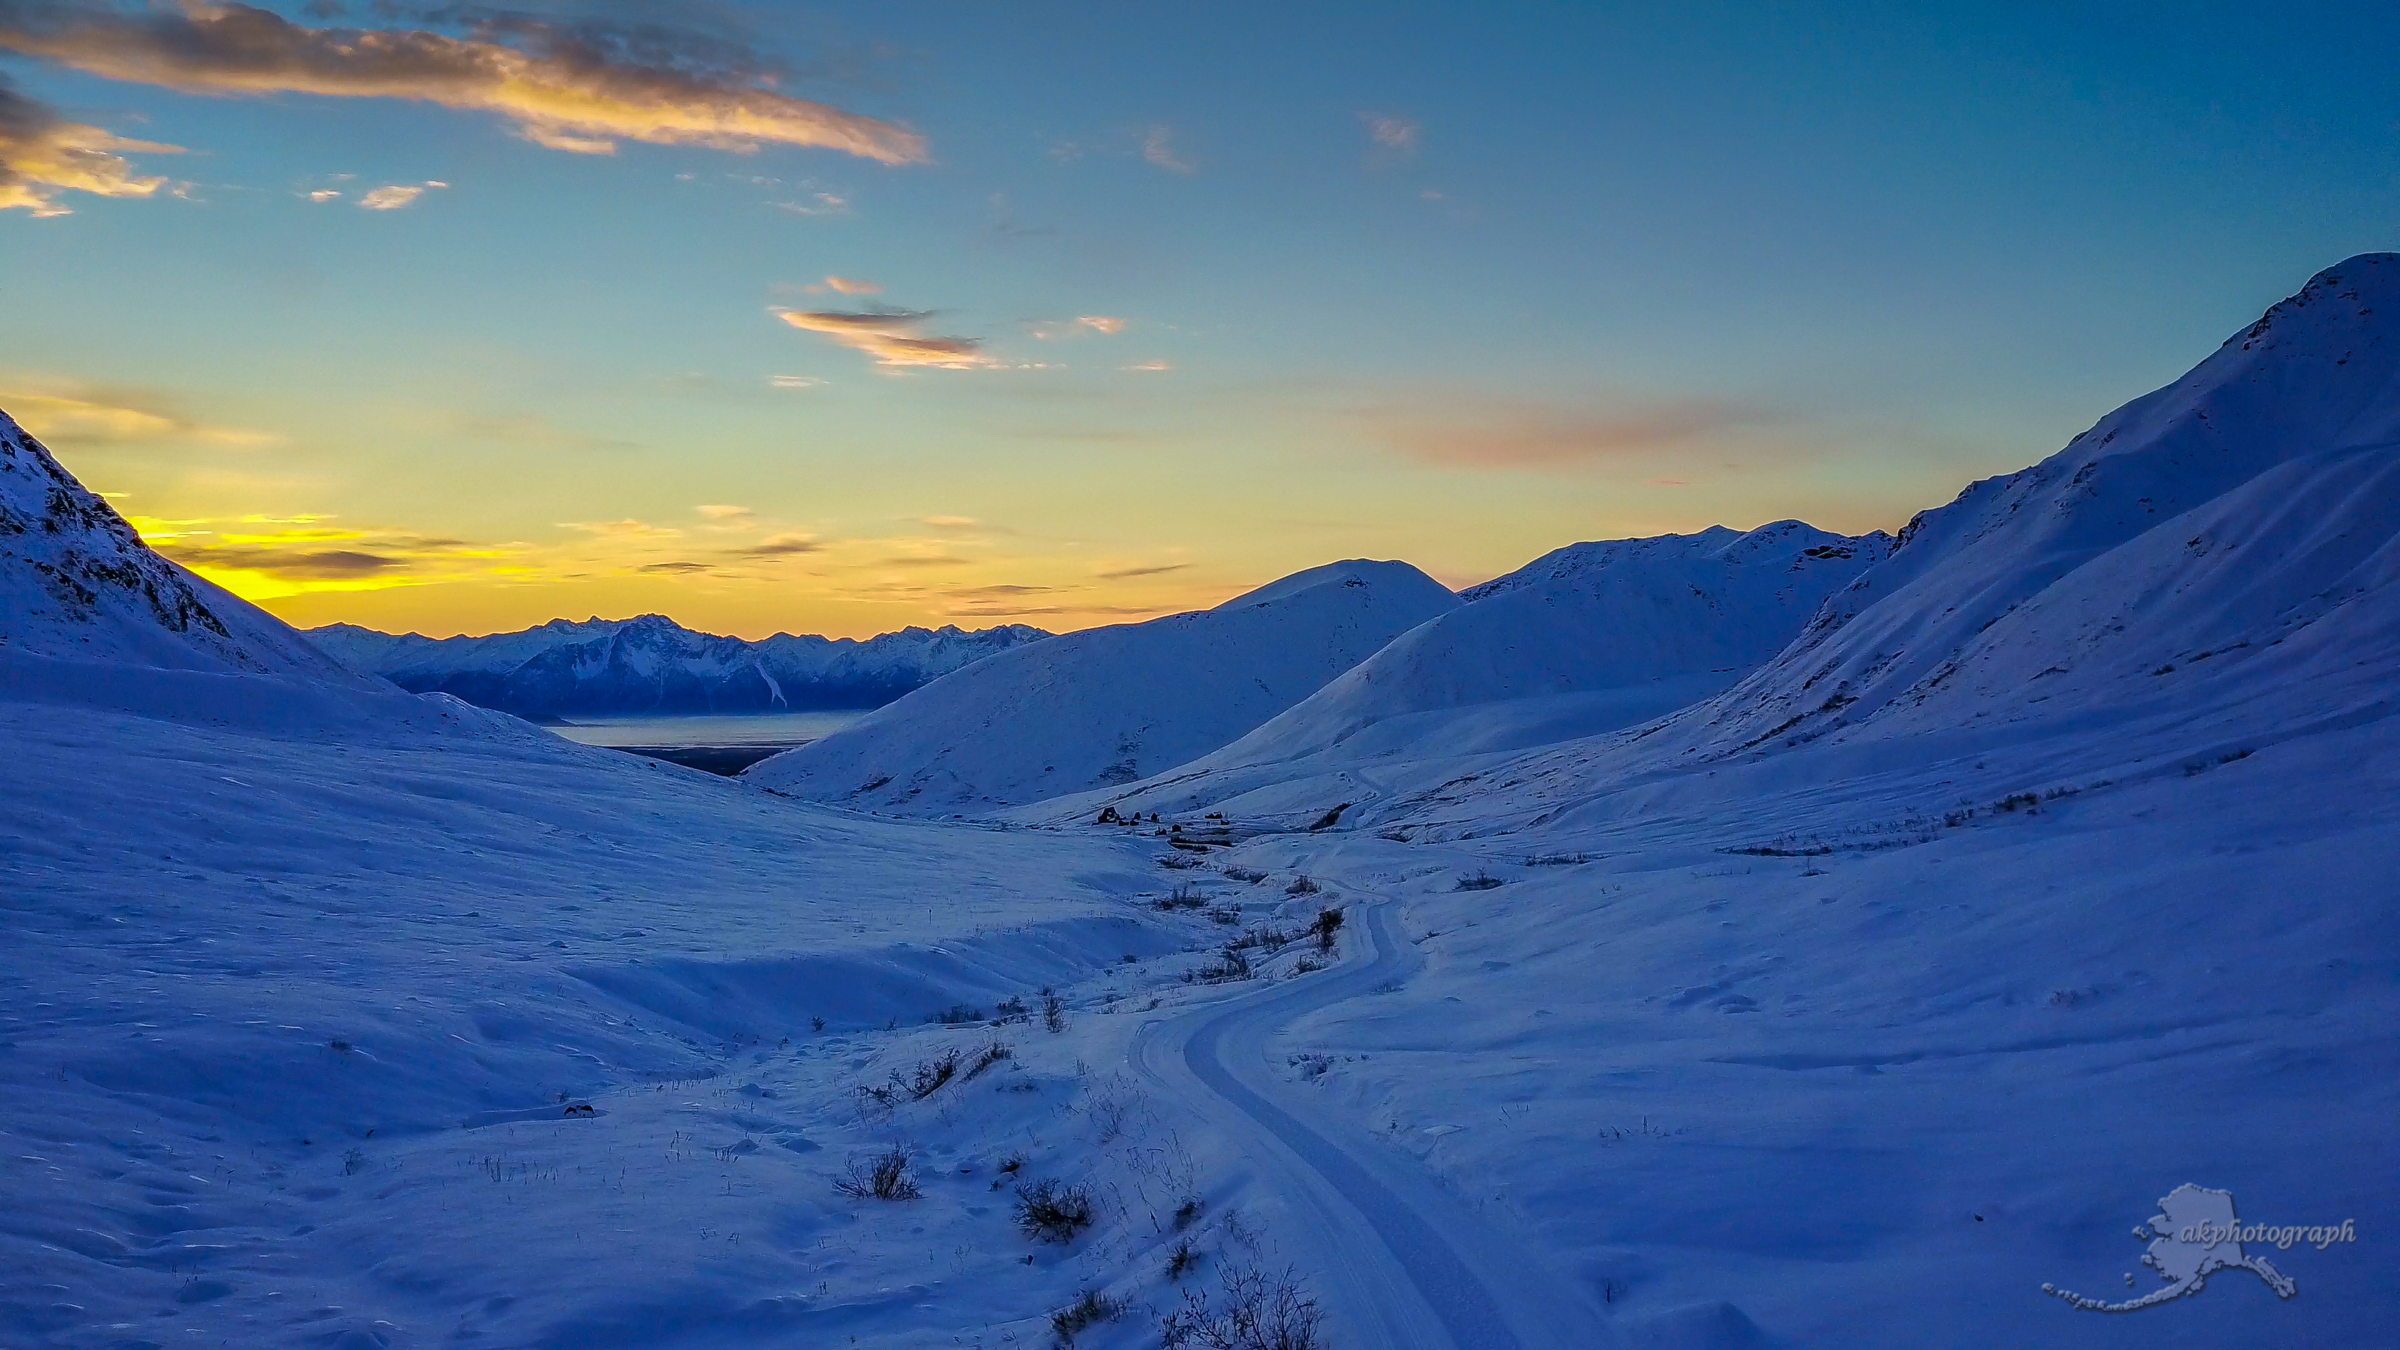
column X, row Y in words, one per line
column 652, row 665
column 1586, row 618
column 1108, row 705
column 2209, row 569
column 77, row 582
column 1582, row 640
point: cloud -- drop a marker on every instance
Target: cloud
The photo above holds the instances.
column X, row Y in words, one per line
column 961, row 525
column 1536, row 437
column 1001, row 590
column 1148, row 366
column 1392, row 138
column 322, row 195
column 305, row 564
column 818, row 204
column 924, row 560
column 848, row 286
column 1158, row 147
column 578, row 87
column 784, row 545
column 1124, row 573
column 621, row 529
column 675, row 568
column 79, row 415
column 891, row 337
column 725, row 513
column 43, row 155
column 311, row 555
column 1082, row 326
column 795, row 382
column 395, row 196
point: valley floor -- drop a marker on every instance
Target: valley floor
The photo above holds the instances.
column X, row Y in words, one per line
column 290, row 1027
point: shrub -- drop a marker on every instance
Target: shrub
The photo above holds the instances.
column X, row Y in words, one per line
column 928, row 1077
column 1228, row 915
column 1301, row 885
column 1245, row 874
column 1252, row 1311
column 988, row 1056
column 1086, row 1312
column 1181, row 1258
column 1184, row 897
column 956, row 1015
column 1230, row 966
column 882, row 1177
column 1329, row 923
column 1481, row 881
column 1267, row 937
column 1054, row 1012
column 1009, row 1010
column 1053, row 1211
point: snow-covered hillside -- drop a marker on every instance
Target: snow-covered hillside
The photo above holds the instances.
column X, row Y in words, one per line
column 1582, row 640
column 653, row 665
column 76, row 581
column 2209, row 569
column 1109, row 705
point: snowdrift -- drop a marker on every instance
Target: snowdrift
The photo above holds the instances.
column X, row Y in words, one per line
column 651, row 664
column 1109, row 705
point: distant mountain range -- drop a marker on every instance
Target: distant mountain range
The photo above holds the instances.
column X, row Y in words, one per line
column 651, row 664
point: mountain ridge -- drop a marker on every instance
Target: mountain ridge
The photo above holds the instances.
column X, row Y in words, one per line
column 651, row 664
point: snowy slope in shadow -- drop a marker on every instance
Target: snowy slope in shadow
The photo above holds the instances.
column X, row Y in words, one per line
column 1580, row 641
column 1109, row 705
column 2207, row 570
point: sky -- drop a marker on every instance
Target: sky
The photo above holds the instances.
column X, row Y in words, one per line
column 838, row 318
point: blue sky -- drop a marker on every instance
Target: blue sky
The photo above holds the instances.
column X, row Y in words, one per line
column 1244, row 290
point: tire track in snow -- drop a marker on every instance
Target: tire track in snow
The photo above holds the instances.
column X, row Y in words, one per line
column 1398, row 1260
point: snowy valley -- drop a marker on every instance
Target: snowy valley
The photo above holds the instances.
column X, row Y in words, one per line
column 1737, row 939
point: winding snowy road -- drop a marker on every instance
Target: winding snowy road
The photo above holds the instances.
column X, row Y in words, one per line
column 1399, row 1261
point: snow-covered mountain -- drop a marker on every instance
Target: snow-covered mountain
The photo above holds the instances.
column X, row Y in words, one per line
column 1110, row 705
column 77, row 583
column 653, row 665
column 2210, row 568
column 1582, row 640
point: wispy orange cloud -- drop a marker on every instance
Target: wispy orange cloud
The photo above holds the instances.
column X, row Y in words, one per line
column 578, row 88
column 396, row 195
column 43, row 155
column 1541, row 437
column 891, row 337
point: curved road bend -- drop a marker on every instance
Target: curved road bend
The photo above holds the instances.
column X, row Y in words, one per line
column 1403, row 1263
